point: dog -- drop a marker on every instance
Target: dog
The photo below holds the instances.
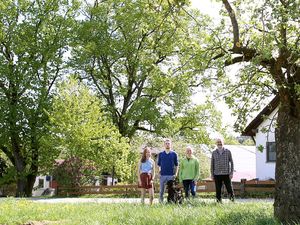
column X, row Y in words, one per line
column 175, row 194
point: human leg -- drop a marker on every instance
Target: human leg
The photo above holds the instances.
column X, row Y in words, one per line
column 143, row 191
column 193, row 188
column 151, row 195
column 186, row 187
column 162, row 183
column 218, row 184
column 228, row 185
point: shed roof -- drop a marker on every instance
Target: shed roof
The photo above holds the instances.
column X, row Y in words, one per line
column 250, row 130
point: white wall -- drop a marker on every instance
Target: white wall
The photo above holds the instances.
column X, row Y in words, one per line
column 244, row 161
column 109, row 181
column 46, row 183
column 265, row 170
column 38, row 191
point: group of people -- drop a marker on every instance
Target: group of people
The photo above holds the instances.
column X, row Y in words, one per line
column 187, row 171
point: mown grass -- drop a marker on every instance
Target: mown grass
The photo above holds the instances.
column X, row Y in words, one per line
column 24, row 211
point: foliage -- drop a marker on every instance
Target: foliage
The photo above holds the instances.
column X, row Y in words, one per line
column 241, row 140
column 33, row 38
column 264, row 32
column 79, row 129
column 231, row 140
column 249, row 142
column 7, row 172
column 3, row 167
column 265, row 48
column 75, row 172
column 260, row 148
column 142, row 58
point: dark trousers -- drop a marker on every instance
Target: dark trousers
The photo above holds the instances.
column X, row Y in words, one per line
column 219, row 179
column 189, row 185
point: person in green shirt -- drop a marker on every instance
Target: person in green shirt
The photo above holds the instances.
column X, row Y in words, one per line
column 189, row 172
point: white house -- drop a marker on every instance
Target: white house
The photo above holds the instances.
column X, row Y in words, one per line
column 262, row 131
column 41, row 184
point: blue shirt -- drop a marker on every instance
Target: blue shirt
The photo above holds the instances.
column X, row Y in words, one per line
column 167, row 163
column 147, row 166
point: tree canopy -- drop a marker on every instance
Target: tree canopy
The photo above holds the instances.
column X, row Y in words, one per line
column 262, row 38
column 143, row 59
column 80, row 130
column 33, row 39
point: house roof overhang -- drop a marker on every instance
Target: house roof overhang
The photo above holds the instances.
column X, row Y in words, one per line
column 251, row 129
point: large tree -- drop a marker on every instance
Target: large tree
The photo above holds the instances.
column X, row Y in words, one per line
column 262, row 37
column 140, row 57
column 80, row 131
column 33, row 39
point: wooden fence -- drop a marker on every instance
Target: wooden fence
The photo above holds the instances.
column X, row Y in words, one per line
column 240, row 188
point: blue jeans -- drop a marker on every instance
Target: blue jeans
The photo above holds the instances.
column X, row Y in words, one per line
column 189, row 185
column 162, row 186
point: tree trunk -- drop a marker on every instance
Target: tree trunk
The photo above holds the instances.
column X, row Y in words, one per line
column 20, row 165
column 21, row 179
column 287, row 195
column 21, row 187
column 29, row 184
column 25, row 186
column 24, row 182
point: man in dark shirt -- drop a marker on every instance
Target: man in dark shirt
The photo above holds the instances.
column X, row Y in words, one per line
column 168, row 167
column 222, row 169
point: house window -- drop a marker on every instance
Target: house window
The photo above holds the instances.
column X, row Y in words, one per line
column 41, row 183
column 271, row 151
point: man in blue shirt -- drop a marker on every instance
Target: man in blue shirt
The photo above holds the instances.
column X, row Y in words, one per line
column 167, row 166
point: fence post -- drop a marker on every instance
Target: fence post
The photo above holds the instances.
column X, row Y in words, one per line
column 243, row 188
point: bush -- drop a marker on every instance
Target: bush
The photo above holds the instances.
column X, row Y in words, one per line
column 75, row 172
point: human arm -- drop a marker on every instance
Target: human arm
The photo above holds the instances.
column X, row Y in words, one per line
column 153, row 171
column 231, row 165
column 176, row 171
column 159, row 164
column 180, row 171
column 197, row 171
column 176, row 163
column 139, row 172
column 212, row 167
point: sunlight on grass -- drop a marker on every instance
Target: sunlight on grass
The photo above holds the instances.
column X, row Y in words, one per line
column 197, row 212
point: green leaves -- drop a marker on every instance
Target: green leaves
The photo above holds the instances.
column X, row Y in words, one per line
column 79, row 128
column 33, row 38
column 141, row 58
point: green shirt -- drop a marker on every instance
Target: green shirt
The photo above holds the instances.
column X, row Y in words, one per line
column 189, row 169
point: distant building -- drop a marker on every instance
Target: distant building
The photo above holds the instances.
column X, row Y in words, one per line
column 244, row 161
column 43, row 185
column 262, row 131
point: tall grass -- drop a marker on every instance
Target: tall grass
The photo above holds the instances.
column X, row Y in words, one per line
column 24, row 211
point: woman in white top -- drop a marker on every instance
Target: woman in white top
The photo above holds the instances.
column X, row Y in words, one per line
column 146, row 174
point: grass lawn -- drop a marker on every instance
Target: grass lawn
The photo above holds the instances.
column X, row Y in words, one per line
column 27, row 212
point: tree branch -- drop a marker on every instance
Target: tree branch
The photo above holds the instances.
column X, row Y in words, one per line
column 6, row 151
column 235, row 26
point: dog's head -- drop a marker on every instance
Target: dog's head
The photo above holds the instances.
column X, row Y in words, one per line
column 171, row 184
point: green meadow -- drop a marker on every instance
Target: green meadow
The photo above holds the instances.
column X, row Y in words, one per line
column 32, row 213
